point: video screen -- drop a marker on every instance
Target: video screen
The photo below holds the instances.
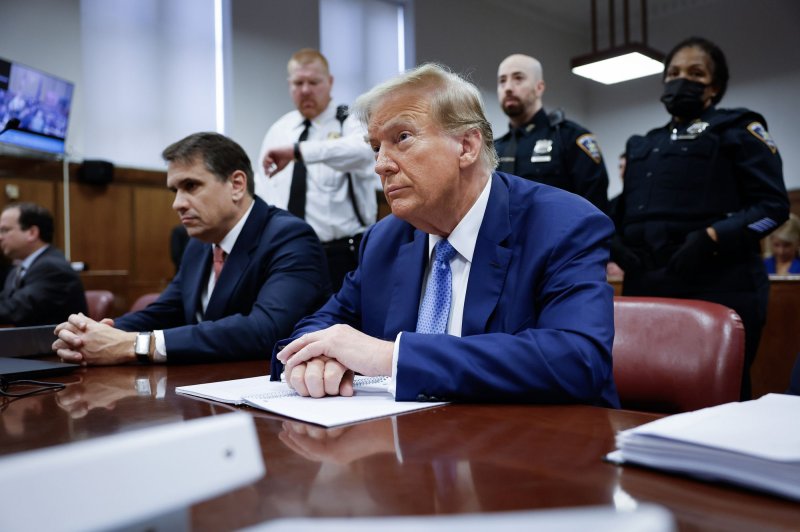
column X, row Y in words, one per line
column 40, row 102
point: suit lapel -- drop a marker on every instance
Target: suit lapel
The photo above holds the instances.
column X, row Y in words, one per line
column 490, row 261
column 196, row 280
column 236, row 263
column 407, row 274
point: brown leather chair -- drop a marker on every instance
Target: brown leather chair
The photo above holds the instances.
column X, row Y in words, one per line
column 676, row 355
column 144, row 300
column 100, row 303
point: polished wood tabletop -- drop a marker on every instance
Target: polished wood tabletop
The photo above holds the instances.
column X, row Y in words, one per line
column 450, row 459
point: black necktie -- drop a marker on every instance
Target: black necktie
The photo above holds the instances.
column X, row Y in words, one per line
column 508, row 161
column 297, row 193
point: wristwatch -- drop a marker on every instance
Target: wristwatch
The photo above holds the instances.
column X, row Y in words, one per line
column 141, row 347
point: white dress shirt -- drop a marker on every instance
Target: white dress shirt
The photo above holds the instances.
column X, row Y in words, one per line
column 331, row 151
column 463, row 238
column 227, row 243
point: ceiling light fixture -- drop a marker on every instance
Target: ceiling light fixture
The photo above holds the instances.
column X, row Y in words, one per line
column 630, row 60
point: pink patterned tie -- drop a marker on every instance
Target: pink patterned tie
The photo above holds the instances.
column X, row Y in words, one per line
column 219, row 261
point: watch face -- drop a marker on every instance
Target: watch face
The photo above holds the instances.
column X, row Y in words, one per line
column 142, row 347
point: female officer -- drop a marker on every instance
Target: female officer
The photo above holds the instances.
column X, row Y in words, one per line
column 699, row 194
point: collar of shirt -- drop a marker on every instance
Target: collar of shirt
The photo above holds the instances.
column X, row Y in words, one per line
column 465, row 234
column 328, row 114
column 26, row 263
column 229, row 241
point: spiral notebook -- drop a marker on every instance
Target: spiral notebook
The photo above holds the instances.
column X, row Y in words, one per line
column 370, row 400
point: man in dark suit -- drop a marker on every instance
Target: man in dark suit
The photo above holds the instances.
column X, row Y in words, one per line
column 42, row 288
column 481, row 286
column 249, row 272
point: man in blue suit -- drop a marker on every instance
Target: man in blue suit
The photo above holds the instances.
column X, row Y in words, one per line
column 249, row 272
column 481, row 286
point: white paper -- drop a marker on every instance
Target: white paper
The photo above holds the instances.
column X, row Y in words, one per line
column 371, row 400
column 231, row 391
column 753, row 443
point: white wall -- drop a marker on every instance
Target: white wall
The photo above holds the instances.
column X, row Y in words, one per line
column 348, row 33
column 148, row 77
column 265, row 34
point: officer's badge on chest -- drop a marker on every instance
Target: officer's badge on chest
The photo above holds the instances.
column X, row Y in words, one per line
column 692, row 132
column 542, row 151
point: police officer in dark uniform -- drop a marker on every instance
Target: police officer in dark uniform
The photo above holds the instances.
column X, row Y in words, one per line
column 545, row 148
column 699, row 194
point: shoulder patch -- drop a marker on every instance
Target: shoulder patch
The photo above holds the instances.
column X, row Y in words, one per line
column 589, row 145
column 760, row 132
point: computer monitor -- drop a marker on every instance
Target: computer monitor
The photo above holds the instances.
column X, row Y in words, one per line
column 34, row 109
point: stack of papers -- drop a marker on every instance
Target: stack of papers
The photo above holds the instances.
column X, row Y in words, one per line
column 755, row 444
column 371, row 399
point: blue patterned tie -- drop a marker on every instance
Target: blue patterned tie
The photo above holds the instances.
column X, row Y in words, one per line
column 435, row 306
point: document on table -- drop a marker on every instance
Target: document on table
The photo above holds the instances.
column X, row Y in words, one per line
column 753, row 443
column 370, row 400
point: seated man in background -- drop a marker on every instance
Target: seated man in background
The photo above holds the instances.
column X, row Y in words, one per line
column 42, row 288
column 482, row 286
column 248, row 273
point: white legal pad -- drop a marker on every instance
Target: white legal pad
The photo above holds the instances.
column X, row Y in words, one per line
column 755, row 444
column 370, row 400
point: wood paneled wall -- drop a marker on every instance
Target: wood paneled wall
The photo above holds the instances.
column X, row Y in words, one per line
column 120, row 231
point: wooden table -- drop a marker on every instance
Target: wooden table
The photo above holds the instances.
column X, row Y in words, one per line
column 453, row 459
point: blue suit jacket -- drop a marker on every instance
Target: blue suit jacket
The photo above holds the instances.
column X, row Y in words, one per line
column 538, row 317
column 275, row 274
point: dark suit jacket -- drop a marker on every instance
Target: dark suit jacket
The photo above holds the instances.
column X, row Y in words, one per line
column 538, row 317
column 275, row 274
column 49, row 292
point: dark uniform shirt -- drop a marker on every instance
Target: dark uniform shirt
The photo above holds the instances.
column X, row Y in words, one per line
column 556, row 152
column 722, row 170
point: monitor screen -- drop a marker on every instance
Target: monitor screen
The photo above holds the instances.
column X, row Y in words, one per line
column 34, row 108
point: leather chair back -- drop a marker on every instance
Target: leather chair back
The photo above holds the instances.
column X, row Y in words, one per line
column 676, row 355
column 144, row 300
column 100, row 303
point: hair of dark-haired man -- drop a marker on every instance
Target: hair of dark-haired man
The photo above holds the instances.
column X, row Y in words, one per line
column 31, row 214
column 221, row 156
column 719, row 65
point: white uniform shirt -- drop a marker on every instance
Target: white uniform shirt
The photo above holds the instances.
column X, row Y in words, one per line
column 330, row 152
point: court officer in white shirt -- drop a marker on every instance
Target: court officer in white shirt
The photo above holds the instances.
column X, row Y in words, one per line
column 317, row 165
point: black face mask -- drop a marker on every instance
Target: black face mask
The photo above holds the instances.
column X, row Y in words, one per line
column 683, row 97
